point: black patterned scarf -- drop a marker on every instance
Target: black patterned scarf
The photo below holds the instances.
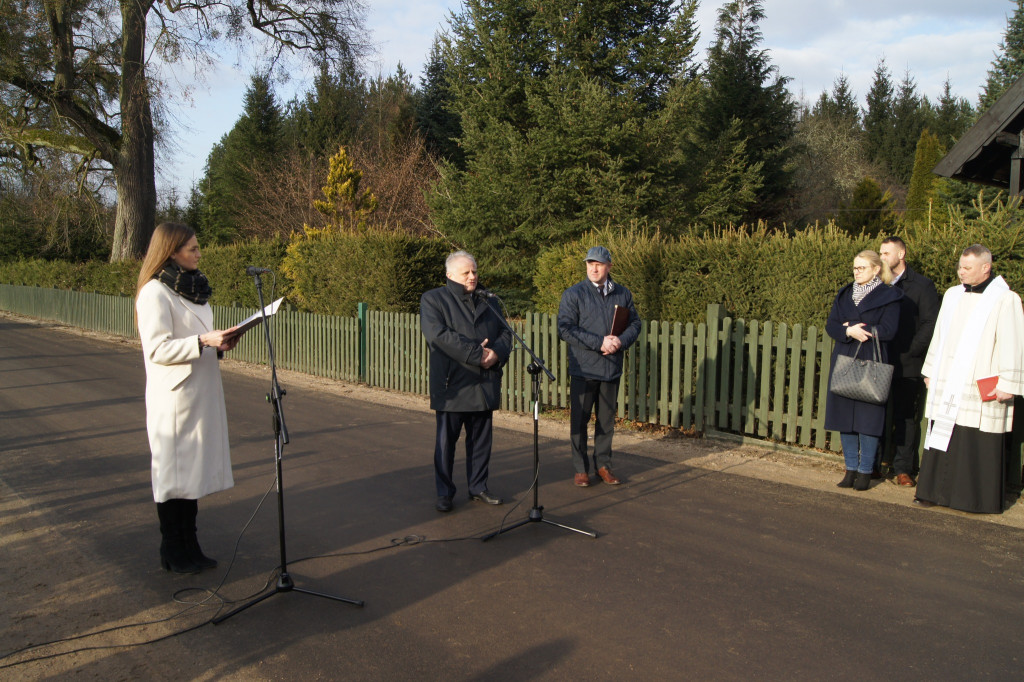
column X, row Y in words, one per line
column 190, row 284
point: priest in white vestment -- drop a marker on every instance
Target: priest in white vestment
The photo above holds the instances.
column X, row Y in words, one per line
column 979, row 335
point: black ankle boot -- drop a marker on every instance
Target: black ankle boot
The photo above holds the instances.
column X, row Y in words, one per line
column 847, row 481
column 173, row 551
column 862, row 482
column 188, row 529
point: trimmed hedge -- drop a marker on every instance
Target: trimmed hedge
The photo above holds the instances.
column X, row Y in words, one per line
column 331, row 272
column 756, row 273
column 772, row 275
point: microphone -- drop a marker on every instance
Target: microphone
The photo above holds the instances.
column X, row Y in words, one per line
column 483, row 293
column 253, row 270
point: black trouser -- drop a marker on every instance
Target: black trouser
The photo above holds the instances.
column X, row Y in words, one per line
column 478, row 450
column 584, row 396
column 908, row 395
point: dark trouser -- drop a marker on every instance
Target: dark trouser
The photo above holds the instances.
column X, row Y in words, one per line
column 478, row 450
column 907, row 412
column 584, row 396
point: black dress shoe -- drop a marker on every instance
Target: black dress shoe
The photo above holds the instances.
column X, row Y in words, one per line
column 485, row 496
column 444, row 504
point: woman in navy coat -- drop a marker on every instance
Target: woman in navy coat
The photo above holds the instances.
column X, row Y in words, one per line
column 865, row 306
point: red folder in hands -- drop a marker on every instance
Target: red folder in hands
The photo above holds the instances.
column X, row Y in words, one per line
column 986, row 386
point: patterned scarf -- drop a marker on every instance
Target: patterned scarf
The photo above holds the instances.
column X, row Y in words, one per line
column 862, row 290
column 190, row 284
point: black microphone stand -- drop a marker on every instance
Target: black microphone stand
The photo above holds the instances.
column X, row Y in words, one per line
column 275, row 397
column 536, row 512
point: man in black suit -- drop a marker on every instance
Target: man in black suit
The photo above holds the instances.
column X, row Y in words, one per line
column 919, row 308
column 469, row 345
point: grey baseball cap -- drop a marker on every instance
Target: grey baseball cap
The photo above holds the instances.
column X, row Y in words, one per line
column 598, row 253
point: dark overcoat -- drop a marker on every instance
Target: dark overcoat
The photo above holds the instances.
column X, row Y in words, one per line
column 585, row 318
column 919, row 308
column 879, row 309
column 455, row 324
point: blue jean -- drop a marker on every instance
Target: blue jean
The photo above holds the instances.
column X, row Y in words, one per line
column 859, row 451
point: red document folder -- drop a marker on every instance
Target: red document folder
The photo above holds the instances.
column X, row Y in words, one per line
column 986, row 386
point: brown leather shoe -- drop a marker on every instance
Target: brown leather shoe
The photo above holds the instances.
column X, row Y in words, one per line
column 607, row 476
column 581, row 480
column 905, row 480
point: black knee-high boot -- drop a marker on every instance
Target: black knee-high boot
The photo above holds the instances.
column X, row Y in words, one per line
column 173, row 550
column 188, row 527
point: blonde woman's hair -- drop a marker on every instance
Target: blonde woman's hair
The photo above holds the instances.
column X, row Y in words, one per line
column 885, row 274
column 166, row 240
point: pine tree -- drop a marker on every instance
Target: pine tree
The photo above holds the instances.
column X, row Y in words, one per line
column 870, row 210
column 553, row 100
column 344, row 204
column 922, row 201
column 331, row 114
column 1008, row 65
column 255, row 140
column 435, row 118
column 909, row 113
column 878, row 117
column 841, row 106
column 952, row 116
column 741, row 84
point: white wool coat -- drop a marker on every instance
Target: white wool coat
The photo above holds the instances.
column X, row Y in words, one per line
column 185, row 415
column 1000, row 352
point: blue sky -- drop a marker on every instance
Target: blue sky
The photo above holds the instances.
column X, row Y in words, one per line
column 811, row 41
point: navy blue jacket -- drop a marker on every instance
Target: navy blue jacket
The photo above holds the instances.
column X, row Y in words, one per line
column 455, row 324
column 879, row 309
column 584, row 319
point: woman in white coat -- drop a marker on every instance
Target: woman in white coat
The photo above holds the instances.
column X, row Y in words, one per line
column 185, row 415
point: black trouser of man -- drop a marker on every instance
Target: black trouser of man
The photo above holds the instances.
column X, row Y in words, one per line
column 584, row 396
column 478, row 450
column 907, row 412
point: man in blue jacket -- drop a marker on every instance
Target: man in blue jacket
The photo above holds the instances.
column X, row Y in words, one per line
column 469, row 346
column 585, row 317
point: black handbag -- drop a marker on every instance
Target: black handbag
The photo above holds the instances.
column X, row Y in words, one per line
column 865, row 380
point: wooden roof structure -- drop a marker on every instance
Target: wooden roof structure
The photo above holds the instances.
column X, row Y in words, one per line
column 991, row 152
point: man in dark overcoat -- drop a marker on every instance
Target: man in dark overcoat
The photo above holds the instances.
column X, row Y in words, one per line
column 585, row 320
column 919, row 309
column 469, row 345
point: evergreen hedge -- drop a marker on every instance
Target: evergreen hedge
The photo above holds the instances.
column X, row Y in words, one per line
column 755, row 273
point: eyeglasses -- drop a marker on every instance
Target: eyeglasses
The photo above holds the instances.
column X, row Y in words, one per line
column 860, row 268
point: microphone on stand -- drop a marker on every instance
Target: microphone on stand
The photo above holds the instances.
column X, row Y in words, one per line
column 253, row 270
column 483, row 293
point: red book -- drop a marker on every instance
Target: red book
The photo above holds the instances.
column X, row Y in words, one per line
column 986, row 386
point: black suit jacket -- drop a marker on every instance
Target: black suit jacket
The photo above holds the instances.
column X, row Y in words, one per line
column 454, row 332
column 919, row 308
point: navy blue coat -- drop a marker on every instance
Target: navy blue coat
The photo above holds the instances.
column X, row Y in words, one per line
column 454, row 332
column 584, row 319
column 879, row 309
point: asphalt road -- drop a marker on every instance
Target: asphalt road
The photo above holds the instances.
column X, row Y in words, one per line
column 696, row 574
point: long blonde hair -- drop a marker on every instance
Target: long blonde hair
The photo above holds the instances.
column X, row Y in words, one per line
column 885, row 274
column 166, row 240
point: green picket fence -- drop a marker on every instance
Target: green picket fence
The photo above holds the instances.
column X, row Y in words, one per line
column 742, row 377
column 747, row 378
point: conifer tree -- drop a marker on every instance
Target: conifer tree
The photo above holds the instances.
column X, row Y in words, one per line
column 840, row 106
column 921, row 196
column 878, row 117
column 870, row 209
column 742, row 85
column 255, row 140
column 909, row 113
column 344, row 204
column 435, row 118
column 1008, row 65
column 553, row 100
